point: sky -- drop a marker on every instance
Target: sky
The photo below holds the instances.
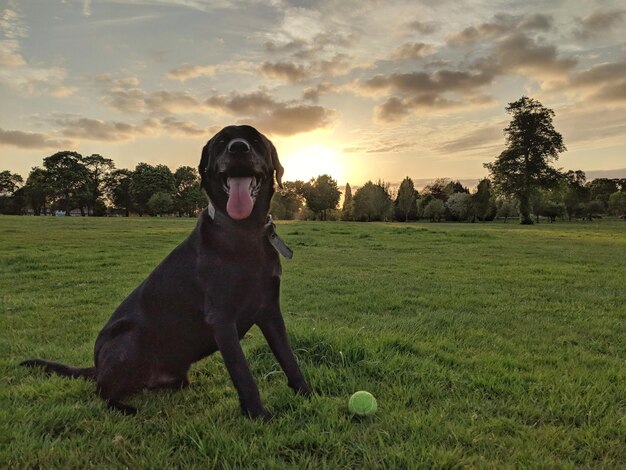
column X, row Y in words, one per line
column 361, row 90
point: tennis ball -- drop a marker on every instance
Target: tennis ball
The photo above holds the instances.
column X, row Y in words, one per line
column 362, row 403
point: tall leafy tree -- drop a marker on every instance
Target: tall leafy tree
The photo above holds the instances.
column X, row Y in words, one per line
column 188, row 196
column 483, row 204
column 37, row 191
column 147, row 180
column 322, row 194
column 117, row 190
column 98, row 169
column 405, row 201
column 67, row 177
column 532, row 144
column 11, row 198
column 372, row 202
column 346, row 209
column 287, row 202
column 602, row 188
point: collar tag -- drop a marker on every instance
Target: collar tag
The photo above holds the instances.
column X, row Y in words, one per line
column 279, row 245
column 211, row 210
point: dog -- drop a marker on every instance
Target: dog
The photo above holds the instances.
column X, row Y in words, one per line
column 208, row 292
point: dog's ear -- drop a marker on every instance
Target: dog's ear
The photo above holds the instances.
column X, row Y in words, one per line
column 205, row 159
column 278, row 168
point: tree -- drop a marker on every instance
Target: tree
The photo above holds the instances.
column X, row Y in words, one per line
column 37, row 190
column 576, row 192
column 346, row 210
column 592, row 209
column 372, row 202
column 147, row 180
column 11, row 199
column 435, row 210
column 160, row 203
column 66, row 176
column 117, row 189
column 405, row 202
column 321, row 194
column 532, row 144
column 287, row 202
column 98, row 169
column 437, row 189
column 459, row 205
column 188, row 197
column 506, row 209
column 617, row 204
column 602, row 188
column 483, row 204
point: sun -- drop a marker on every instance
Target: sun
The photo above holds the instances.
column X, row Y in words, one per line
column 311, row 161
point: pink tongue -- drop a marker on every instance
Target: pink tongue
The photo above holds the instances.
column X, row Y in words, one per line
column 240, row 202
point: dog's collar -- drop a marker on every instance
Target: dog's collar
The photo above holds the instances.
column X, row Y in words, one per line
column 270, row 230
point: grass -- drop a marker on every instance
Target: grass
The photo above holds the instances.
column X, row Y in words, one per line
column 490, row 345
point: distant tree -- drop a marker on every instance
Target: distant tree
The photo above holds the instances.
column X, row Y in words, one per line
column 506, row 209
column 346, row 210
column 9, row 183
column 532, row 143
column 372, row 202
column 592, row 209
column 458, row 205
column 435, row 210
column 287, row 202
column 148, row 180
column 552, row 209
column 321, row 194
column 188, row 197
column 438, row 189
column 67, row 177
column 407, row 195
column 455, row 187
column 483, row 203
column 160, row 203
column 602, row 188
column 617, row 204
column 11, row 199
column 37, row 191
column 117, row 190
column 575, row 192
column 98, row 169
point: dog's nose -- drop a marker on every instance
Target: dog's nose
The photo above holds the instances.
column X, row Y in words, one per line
column 238, row 146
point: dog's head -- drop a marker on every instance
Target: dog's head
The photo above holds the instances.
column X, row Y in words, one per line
column 237, row 171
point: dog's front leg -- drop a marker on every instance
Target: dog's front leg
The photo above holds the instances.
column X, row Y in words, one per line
column 227, row 340
column 273, row 327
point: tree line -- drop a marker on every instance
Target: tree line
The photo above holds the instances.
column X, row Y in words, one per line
column 521, row 183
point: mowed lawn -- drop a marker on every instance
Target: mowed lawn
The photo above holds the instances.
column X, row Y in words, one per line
column 487, row 345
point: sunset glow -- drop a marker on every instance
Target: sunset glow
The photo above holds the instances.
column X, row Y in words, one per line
column 356, row 89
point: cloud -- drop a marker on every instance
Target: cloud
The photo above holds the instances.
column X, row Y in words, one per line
column 10, row 55
column 188, row 71
column 423, row 27
column 412, row 50
column 31, row 140
column 313, row 93
column 484, row 138
column 395, row 109
column 290, row 72
column 86, row 7
column 95, row 129
column 503, row 24
column 12, row 23
column 275, row 117
column 171, row 124
column 598, row 23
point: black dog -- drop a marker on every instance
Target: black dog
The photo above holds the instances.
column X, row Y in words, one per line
column 208, row 292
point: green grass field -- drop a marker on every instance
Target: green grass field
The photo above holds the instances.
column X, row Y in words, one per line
column 493, row 345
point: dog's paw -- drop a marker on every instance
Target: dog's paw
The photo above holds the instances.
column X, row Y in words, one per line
column 260, row 414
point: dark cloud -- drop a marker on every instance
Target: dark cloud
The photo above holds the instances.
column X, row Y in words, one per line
column 599, row 22
column 423, row 83
column 314, row 93
column 275, row 117
column 502, row 24
column 423, row 27
column 517, row 52
column 483, row 139
column 173, row 101
column 171, row 124
column 294, row 119
column 95, row 129
column 412, row 50
column 31, row 140
column 290, row 72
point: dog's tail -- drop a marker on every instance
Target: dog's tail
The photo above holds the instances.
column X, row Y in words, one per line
column 60, row 369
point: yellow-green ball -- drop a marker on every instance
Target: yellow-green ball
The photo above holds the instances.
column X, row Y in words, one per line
column 362, row 403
